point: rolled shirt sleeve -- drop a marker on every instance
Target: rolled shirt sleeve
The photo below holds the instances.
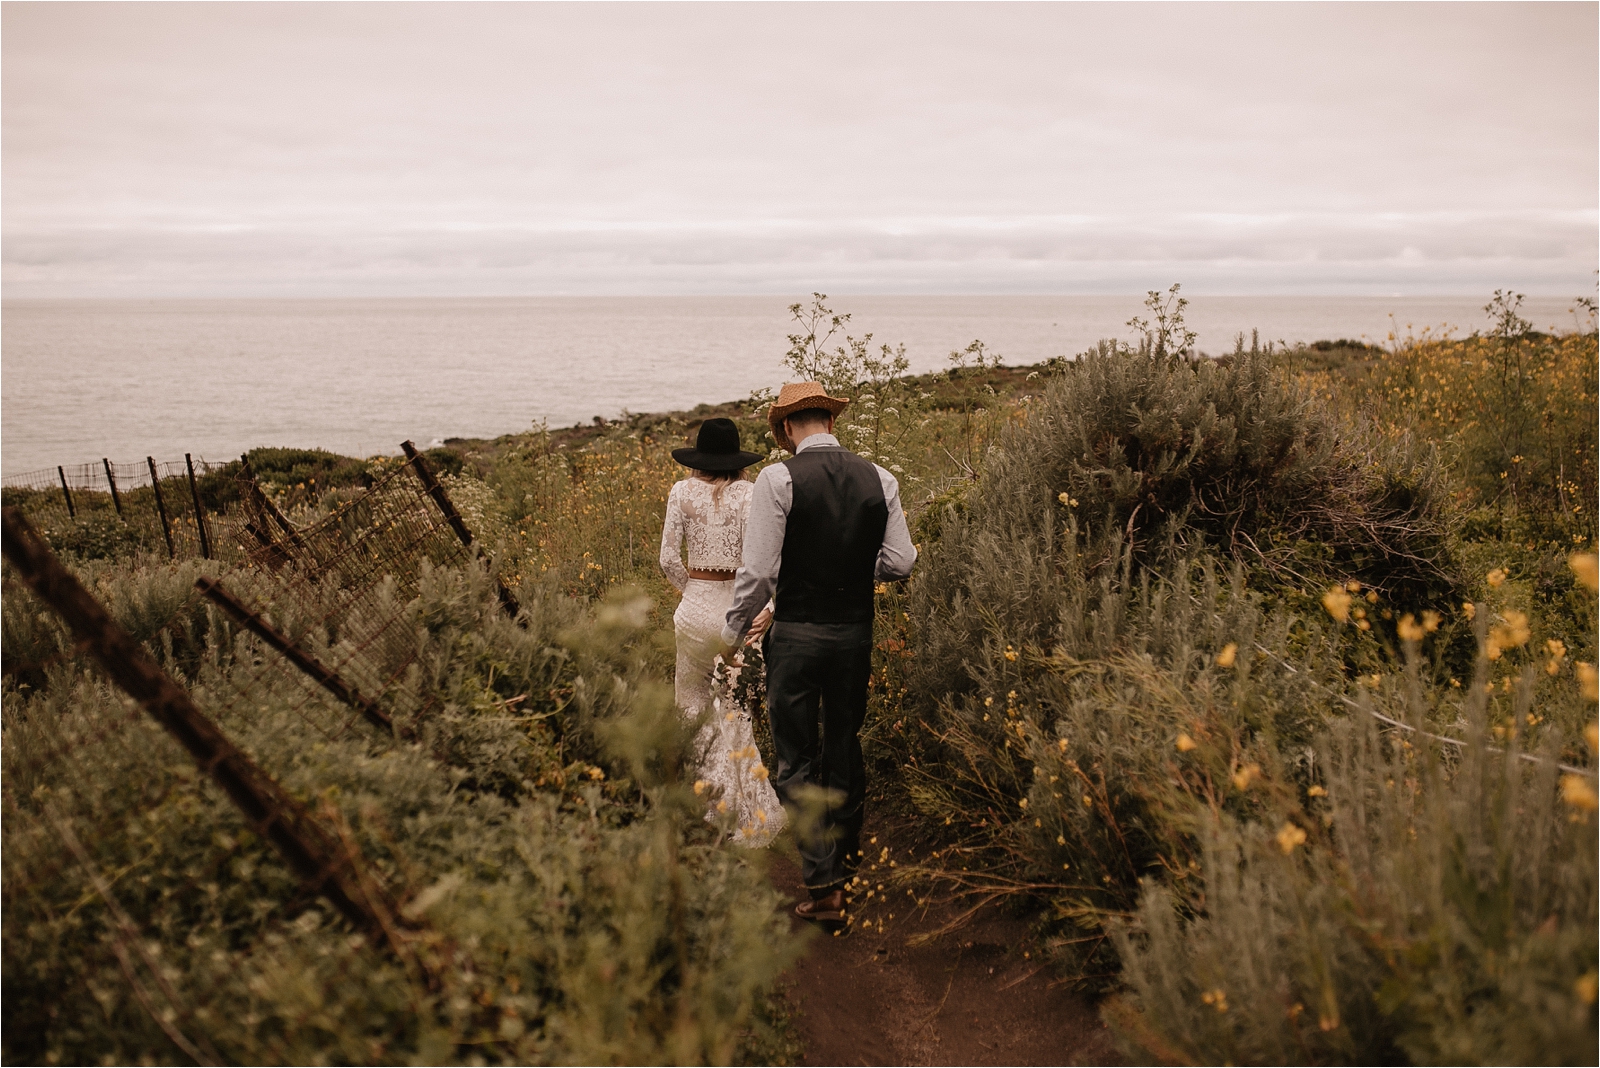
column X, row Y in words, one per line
column 898, row 555
column 757, row 578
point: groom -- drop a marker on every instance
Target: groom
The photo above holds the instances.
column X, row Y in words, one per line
column 824, row 526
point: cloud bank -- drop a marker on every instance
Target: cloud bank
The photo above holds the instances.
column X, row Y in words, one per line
column 374, row 149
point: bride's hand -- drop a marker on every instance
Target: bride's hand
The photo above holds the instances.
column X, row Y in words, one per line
column 759, row 626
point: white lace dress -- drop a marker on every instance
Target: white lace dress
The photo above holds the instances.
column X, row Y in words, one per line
column 708, row 519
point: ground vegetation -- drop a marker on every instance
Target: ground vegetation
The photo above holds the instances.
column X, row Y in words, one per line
column 1257, row 686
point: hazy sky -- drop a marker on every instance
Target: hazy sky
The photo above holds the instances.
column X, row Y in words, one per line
column 296, row 148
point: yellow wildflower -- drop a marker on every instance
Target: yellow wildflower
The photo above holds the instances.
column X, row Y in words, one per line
column 1496, row 577
column 1011, row 654
column 1587, row 682
column 1186, row 743
column 1290, row 836
column 1518, row 624
column 1353, row 586
column 1372, row 597
column 1225, row 658
column 699, row 787
column 1062, row 497
column 1514, row 633
column 1585, row 986
column 1337, row 602
column 596, row 774
column 1591, row 734
column 1431, row 621
column 1245, row 776
column 1316, row 791
column 1088, row 802
column 1583, row 568
column 1410, row 630
column 1469, row 610
column 1578, row 791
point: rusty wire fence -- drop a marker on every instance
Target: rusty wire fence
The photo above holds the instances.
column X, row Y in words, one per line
column 172, row 507
column 135, row 819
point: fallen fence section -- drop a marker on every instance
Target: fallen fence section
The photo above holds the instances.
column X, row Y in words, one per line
column 309, row 851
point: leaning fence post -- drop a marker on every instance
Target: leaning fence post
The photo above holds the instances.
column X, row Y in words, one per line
column 324, row 676
column 161, row 507
column 266, row 503
column 309, row 850
column 508, row 600
column 65, row 492
column 199, row 509
column 111, row 480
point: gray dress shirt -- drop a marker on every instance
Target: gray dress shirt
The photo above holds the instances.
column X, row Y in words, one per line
column 770, row 502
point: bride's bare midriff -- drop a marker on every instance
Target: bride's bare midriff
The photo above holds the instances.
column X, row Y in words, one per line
column 711, row 576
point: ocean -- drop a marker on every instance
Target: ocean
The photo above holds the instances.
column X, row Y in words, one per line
column 125, row 379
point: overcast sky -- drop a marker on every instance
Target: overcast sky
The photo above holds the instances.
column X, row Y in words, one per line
column 353, row 149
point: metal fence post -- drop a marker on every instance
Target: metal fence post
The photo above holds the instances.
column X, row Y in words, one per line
column 199, row 509
column 324, row 676
column 266, row 504
column 508, row 600
column 111, row 480
column 65, row 492
column 161, row 507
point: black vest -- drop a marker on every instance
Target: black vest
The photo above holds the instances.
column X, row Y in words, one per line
column 831, row 543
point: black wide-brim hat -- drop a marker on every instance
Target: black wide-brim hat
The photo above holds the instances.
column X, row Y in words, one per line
column 716, row 448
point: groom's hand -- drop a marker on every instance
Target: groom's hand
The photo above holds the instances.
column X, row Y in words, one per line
column 758, row 626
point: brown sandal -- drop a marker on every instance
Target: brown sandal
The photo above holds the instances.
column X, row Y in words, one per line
column 828, row 909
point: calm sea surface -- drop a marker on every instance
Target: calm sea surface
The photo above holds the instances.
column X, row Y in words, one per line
column 127, row 379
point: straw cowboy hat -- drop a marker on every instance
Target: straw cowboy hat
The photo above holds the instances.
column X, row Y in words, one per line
column 716, row 448
column 797, row 397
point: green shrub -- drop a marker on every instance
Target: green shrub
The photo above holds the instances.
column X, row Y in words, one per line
column 1070, row 605
column 1435, row 905
column 92, row 536
column 1056, row 774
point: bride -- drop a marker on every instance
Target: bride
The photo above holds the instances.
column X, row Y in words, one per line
column 707, row 513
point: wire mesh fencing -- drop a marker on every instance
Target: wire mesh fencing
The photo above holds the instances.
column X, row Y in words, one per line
column 154, row 789
column 147, row 852
column 330, row 599
column 103, row 509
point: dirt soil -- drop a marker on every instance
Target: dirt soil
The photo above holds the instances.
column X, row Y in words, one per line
column 969, row 997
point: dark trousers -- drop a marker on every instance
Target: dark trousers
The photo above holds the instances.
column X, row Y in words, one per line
column 817, row 698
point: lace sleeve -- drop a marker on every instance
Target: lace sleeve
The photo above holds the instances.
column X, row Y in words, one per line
column 672, row 542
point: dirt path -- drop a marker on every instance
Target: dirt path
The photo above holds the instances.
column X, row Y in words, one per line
column 970, row 998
